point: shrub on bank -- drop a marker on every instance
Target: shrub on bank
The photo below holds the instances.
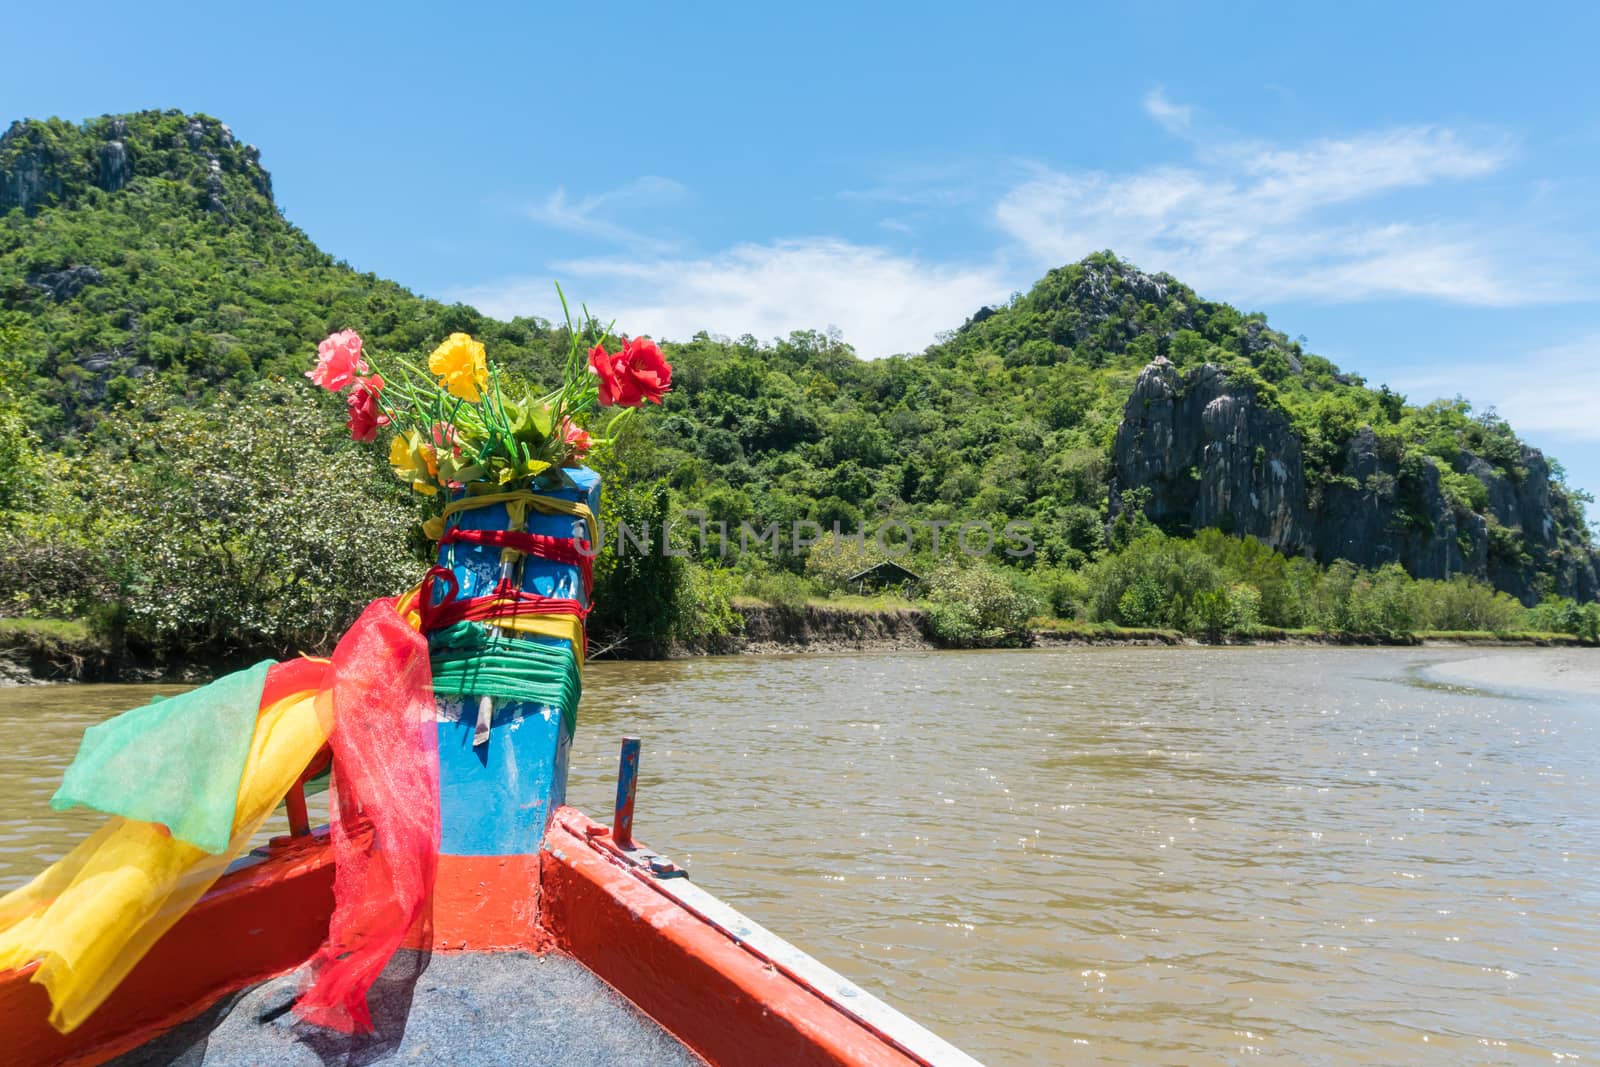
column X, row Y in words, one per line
column 249, row 527
column 1214, row 585
column 978, row 605
column 1562, row 615
column 833, row 560
column 778, row 588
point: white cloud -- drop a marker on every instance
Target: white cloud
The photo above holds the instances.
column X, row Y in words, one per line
column 1174, row 118
column 1549, row 391
column 590, row 216
column 1260, row 222
column 881, row 301
column 1240, row 220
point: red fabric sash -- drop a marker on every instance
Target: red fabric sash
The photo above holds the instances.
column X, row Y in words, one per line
column 505, row 601
column 377, row 703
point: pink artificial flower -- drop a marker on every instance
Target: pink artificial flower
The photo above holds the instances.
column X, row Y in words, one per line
column 576, row 436
column 366, row 415
column 338, row 361
column 444, row 434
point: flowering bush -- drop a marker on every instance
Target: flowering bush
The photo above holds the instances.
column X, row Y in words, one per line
column 454, row 425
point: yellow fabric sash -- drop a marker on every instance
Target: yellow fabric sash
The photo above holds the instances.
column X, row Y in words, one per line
column 92, row 915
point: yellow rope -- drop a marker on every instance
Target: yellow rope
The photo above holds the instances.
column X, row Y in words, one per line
column 516, row 502
column 568, row 628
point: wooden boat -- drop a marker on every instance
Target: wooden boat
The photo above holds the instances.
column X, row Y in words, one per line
column 551, row 938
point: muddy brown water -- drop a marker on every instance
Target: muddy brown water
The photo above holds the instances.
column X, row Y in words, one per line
column 1131, row 856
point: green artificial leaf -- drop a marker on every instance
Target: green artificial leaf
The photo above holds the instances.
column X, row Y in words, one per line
column 528, row 420
column 516, row 414
column 455, row 469
column 539, row 412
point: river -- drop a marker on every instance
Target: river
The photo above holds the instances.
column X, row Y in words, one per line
column 1151, row 856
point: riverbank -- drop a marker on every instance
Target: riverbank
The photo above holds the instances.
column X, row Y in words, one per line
column 34, row 651
column 53, row 650
column 819, row 626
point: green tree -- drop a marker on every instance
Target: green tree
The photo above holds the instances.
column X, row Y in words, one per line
column 638, row 600
column 834, row 558
column 252, row 527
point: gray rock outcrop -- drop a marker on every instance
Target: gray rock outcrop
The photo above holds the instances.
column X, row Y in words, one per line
column 64, row 284
column 1210, row 453
column 1211, row 456
column 31, row 178
column 116, row 166
column 45, row 162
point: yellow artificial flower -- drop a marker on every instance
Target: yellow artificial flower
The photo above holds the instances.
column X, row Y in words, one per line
column 414, row 461
column 460, row 364
column 400, row 456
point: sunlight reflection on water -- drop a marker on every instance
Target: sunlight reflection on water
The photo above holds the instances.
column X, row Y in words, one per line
column 1124, row 855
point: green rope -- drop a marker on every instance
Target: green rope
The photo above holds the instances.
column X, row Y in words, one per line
column 470, row 659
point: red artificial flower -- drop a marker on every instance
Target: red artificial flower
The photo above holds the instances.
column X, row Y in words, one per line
column 338, row 361
column 602, row 366
column 630, row 377
column 366, row 415
column 576, row 436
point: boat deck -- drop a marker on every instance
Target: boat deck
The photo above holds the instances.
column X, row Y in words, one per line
column 477, row 1008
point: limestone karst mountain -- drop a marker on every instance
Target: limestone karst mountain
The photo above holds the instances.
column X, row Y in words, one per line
column 147, row 247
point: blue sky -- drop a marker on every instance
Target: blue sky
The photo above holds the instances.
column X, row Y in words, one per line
column 1414, row 188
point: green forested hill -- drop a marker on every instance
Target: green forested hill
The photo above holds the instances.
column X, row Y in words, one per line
column 153, row 301
column 148, row 245
column 1016, row 416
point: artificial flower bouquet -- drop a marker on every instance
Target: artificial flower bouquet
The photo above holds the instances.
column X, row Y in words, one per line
column 454, row 425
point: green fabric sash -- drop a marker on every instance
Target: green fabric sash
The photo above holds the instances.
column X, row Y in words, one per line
column 176, row 761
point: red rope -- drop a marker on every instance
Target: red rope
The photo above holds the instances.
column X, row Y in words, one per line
column 555, row 549
column 503, row 602
column 502, row 606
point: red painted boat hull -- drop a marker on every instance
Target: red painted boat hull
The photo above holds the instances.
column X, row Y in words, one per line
column 717, row 994
column 257, row 922
column 713, row 994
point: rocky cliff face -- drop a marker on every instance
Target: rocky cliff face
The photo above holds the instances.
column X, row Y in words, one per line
column 1205, row 452
column 113, row 202
column 47, row 162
